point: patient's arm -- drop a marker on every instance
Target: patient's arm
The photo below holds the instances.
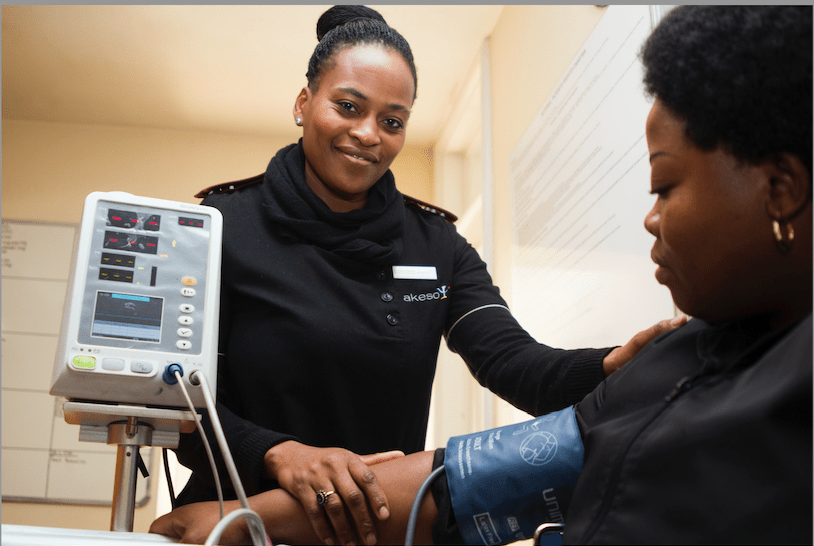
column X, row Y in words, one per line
column 286, row 521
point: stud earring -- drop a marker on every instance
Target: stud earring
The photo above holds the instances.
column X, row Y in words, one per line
column 298, row 121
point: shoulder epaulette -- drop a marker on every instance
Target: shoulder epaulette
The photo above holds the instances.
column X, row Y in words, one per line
column 226, row 187
column 432, row 209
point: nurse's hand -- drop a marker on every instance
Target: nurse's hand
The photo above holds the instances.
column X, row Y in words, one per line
column 303, row 471
column 621, row 355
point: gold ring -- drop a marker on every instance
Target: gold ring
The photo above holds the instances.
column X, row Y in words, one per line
column 322, row 497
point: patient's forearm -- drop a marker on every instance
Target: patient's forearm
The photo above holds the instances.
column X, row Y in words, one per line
column 286, row 521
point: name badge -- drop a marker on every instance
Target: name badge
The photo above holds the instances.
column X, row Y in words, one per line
column 415, row 272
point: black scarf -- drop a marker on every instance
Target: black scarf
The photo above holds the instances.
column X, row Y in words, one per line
column 370, row 235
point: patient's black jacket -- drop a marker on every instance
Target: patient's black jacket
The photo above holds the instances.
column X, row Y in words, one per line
column 705, row 437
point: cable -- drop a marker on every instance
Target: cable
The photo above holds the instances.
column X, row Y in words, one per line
column 164, row 452
column 412, row 522
column 256, row 526
column 216, row 533
column 205, row 441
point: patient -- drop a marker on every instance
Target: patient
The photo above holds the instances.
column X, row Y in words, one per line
column 705, row 436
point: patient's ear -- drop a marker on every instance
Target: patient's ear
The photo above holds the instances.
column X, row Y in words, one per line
column 790, row 186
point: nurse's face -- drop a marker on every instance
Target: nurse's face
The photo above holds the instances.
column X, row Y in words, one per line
column 713, row 235
column 354, row 125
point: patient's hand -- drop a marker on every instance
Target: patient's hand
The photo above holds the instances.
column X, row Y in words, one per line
column 192, row 524
column 349, row 515
column 621, row 355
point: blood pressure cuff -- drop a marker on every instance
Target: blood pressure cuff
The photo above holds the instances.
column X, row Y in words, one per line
column 505, row 482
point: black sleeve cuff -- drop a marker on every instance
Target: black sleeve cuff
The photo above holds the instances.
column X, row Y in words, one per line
column 445, row 527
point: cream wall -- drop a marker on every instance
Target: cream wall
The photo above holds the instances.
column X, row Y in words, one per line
column 49, row 168
column 530, row 48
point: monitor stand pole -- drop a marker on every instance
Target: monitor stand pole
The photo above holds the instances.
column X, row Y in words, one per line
column 129, row 428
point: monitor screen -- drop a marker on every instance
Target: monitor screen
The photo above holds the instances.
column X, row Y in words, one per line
column 127, row 316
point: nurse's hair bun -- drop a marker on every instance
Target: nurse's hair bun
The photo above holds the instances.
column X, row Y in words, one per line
column 340, row 15
column 347, row 26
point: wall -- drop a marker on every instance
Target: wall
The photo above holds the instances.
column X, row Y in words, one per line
column 49, row 168
column 530, row 48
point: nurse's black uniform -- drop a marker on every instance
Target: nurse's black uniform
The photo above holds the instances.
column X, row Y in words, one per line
column 329, row 333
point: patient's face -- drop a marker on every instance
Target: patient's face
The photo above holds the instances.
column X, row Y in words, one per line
column 710, row 223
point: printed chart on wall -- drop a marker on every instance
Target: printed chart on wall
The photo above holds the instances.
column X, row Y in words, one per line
column 580, row 175
column 43, row 459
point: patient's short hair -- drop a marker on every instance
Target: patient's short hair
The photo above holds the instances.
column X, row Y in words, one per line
column 740, row 76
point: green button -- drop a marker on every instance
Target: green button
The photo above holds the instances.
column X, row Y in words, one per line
column 86, row 362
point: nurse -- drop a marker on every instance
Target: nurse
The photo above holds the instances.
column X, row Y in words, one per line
column 337, row 290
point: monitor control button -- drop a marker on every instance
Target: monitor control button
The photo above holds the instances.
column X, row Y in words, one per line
column 141, row 366
column 113, row 364
column 84, row 362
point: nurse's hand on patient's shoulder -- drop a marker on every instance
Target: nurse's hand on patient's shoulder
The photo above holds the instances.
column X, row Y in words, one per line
column 621, row 355
column 344, row 518
column 192, row 524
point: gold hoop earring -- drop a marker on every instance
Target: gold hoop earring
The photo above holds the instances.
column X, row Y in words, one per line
column 783, row 244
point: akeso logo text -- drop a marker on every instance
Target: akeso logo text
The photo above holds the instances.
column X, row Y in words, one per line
column 439, row 294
